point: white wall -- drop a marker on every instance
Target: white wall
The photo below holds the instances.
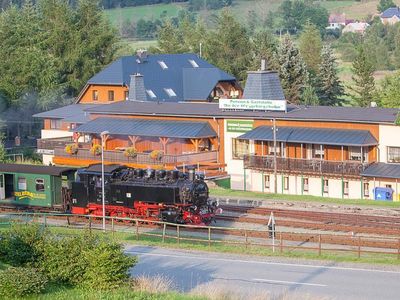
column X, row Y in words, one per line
column 389, row 135
column 53, row 133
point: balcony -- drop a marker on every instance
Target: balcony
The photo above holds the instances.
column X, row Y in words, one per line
column 47, row 146
column 141, row 158
column 304, row 166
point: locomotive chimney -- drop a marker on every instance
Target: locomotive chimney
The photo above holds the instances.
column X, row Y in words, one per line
column 191, row 174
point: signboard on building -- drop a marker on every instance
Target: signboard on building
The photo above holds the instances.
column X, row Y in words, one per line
column 239, row 125
column 252, row 104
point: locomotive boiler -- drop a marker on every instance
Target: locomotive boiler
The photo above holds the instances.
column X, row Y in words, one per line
column 167, row 195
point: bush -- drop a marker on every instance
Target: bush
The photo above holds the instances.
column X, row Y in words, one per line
column 18, row 282
column 107, row 266
column 23, row 244
column 63, row 261
column 156, row 154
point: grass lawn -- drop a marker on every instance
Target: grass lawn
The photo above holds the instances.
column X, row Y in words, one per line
column 304, row 198
column 118, row 15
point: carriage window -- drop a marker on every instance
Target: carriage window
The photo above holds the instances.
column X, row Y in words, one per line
column 40, row 185
column 22, row 184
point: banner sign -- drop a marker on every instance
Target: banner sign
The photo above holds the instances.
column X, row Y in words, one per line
column 252, row 104
column 30, row 195
column 239, row 125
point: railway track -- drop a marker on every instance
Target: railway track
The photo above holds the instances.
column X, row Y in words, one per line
column 345, row 222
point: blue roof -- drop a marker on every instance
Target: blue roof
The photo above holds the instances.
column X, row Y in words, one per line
column 186, row 80
column 390, row 12
column 142, row 127
column 324, row 136
column 382, row 170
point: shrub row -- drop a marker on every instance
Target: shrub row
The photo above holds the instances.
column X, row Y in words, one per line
column 84, row 260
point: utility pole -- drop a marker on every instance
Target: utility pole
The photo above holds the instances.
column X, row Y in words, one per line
column 275, row 159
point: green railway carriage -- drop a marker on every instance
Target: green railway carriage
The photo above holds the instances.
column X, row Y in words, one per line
column 35, row 185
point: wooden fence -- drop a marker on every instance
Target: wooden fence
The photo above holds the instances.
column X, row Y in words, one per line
column 278, row 241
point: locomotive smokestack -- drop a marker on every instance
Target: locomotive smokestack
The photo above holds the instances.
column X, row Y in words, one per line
column 191, row 174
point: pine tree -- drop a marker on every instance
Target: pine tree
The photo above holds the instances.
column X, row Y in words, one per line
column 264, row 47
column 385, row 4
column 364, row 83
column 292, row 69
column 330, row 89
column 170, row 40
column 309, row 96
column 388, row 95
column 310, row 45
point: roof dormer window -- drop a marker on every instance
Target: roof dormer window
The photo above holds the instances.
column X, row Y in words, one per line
column 162, row 64
column 193, row 63
column 170, row 92
column 151, row 94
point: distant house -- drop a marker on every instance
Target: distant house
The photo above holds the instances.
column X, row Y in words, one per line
column 357, row 27
column 391, row 16
column 336, row 21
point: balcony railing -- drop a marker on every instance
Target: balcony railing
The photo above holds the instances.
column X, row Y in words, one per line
column 47, row 146
column 304, row 166
column 141, row 158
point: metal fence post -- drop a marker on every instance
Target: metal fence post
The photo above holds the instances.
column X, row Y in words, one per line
column 209, row 237
column 319, row 244
column 178, row 234
column 112, row 226
column 280, row 242
column 163, row 232
column 137, row 229
column 359, row 246
column 246, row 237
column 90, row 224
column 398, row 250
column 45, row 221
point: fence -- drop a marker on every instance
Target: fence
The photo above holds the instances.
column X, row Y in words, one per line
column 277, row 241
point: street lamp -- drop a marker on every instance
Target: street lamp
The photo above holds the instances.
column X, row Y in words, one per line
column 103, row 134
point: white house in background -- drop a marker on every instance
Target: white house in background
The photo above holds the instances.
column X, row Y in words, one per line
column 391, row 16
column 357, row 27
column 336, row 21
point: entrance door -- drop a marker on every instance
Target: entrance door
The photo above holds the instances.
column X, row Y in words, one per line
column 2, row 188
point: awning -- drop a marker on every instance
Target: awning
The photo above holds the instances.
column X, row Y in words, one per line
column 153, row 128
column 34, row 169
column 382, row 170
column 305, row 135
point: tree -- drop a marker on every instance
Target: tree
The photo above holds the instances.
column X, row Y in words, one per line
column 310, row 46
column 385, row 4
column 309, row 96
column 364, row 84
column 228, row 46
column 388, row 95
column 292, row 69
column 330, row 89
column 264, row 47
column 3, row 151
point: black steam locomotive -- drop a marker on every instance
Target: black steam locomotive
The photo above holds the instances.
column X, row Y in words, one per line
column 167, row 195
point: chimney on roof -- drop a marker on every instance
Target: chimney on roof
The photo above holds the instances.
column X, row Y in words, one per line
column 137, row 91
column 263, row 65
column 141, row 55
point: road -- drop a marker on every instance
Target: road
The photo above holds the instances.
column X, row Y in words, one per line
column 248, row 275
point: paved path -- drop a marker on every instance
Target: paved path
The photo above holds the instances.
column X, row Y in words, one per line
column 249, row 275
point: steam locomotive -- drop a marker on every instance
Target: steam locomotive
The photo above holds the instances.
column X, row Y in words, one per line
column 170, row 196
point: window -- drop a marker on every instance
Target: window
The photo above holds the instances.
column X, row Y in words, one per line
column 170, row 92
column 55, row 124
column 110, row 95
column 22, row 184
column 318, row 151
column 39, row 185
column 126, row 95
column 271, row 148
column 162, row 64
column 393, row 155
column 193, row 63
column 267, row 182
column 151, row 94
column 326, row 186
column 239, row 148
column 345, row 188
column 305, row 184
column 355, row 154
column 286, row 183
column 95, row 95
column 366, row 189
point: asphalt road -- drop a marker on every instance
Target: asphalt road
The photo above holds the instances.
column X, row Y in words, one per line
column 250, row 276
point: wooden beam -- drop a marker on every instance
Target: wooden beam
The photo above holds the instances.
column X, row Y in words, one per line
column 164, row 142
column 195, row 142
column 133, row 140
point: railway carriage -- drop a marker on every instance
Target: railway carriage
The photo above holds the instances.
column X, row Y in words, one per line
column 33, row 186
